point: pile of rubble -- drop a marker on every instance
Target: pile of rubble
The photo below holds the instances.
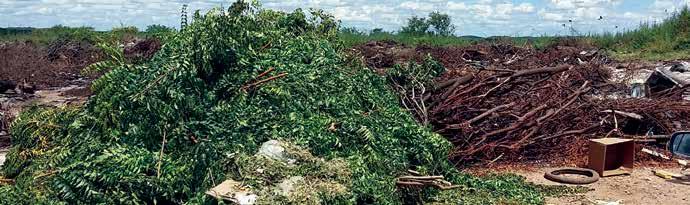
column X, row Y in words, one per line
column 509, row 103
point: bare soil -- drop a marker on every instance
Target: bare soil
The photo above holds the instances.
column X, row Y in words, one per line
column 56, row 65
column 55, row 71
column 642, row 187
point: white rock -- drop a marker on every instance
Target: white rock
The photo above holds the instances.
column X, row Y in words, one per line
column 273, row 149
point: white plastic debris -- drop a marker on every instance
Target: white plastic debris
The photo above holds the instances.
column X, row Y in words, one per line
column 273, row 149
column 244, row 198
column 233, row 191
column 600, row 202
column 2, row 158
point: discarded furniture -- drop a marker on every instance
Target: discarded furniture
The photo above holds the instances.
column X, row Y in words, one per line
column 611, row 156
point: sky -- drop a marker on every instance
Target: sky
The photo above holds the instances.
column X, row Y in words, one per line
column 471, row 17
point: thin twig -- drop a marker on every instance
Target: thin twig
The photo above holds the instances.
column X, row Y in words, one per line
column 160, row 156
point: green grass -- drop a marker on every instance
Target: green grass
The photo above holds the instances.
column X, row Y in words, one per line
column 668, row 40
column 350, row 39
column 45, row 36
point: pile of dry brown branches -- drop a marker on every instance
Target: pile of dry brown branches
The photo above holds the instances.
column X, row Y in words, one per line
column 530, row 104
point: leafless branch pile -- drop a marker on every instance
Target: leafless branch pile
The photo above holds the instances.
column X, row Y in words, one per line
column 513, row 103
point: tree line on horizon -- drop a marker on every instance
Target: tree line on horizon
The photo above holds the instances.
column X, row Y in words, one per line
column 435, row 24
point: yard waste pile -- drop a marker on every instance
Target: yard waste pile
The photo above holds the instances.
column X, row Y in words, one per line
column 501, row 102
column 196, row 114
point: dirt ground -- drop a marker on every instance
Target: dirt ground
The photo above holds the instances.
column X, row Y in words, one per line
column 640, row 188
column 55, row 72
column 55, row 65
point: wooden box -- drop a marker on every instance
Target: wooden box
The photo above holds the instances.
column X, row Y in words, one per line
column 611, row 156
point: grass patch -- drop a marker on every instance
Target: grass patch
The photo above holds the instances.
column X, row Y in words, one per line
column 350, row 39
column 668, row 40
column 46, row 36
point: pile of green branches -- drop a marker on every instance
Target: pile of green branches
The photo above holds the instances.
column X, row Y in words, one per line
column 167, row 130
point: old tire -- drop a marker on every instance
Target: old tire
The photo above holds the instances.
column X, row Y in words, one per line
column 557, row 176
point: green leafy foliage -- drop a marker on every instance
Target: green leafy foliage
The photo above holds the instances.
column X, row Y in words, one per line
column 158, row 29
column 416, row 26
column 441, row 23
column 164, row 131
column 437, row 24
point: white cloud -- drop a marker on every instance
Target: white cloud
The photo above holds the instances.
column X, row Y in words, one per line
column 472, row 17
column 633, row 15
column 551, row 16
column 524, row 8
column 456, row 6
column 572, row 4
column 350, row 14
column 482, row 10
column 419, row 6
column 590, row 13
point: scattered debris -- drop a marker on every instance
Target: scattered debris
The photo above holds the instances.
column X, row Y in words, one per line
column 141, row 49
column 415, row 180
column 683, row 163
column 232, row 191
column 600, row 202
column 564, row 175
column 667, row 175
column 3, row 156
column 273, row 149
column 611, row 156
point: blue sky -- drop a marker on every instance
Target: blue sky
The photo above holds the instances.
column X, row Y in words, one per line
column 472, row 17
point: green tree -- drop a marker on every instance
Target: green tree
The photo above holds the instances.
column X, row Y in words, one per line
column 416, row 26
column 351, row 30
column 155, row 29
column 436, row 24
column 376, row 31
column 441, row 23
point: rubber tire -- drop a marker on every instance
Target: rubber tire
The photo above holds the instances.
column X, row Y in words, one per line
column 556, row 175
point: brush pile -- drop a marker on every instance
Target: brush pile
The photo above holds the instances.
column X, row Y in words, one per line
column 509, row 103
column 520, row 104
